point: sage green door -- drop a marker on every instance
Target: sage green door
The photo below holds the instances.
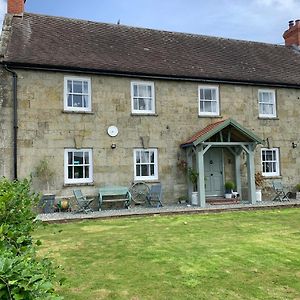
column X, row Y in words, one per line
column 213, row 171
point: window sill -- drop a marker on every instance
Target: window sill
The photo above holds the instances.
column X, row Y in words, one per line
column 79, row 184
column 77, row 112
column 146, row 181
column 272, row 177
column 144, row 115
column 210, row 116
column 268, row 118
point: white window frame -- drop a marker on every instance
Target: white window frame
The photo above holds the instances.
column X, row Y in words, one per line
column 155, row 176
column 276, row 161
column 89, row 94
column 261, row 103
column 217, row 100
column 90, row 164
column 142, row 111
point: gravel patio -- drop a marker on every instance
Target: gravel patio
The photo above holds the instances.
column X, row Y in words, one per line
column 165, row 210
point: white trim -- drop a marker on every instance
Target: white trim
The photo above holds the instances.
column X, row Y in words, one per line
column 273, row 103
column 89, row 94
column 276, row 161
column 66, row 165
column 155, row 176
column 217, row 100
column 144, row 111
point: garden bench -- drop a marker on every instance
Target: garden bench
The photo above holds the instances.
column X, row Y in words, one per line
column 114, row 194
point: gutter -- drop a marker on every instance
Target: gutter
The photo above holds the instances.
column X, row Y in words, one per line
column 15, row 122
column 44, row 67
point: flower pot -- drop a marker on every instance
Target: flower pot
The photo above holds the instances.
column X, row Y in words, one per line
column 194, row 198
column 228, row 195
column 258, row 195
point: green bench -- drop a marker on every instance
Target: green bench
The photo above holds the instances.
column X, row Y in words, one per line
column 114, row 194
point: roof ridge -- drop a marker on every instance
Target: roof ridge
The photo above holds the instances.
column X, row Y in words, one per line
column 196, row 35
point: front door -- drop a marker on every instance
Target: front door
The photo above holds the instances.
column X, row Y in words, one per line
column 213, row 171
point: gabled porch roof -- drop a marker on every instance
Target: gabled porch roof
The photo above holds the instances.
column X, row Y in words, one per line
column 227, row 130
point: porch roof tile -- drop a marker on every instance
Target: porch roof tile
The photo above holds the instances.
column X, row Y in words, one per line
column 202, row 132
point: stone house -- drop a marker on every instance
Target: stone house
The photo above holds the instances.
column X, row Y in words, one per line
column 112, row 104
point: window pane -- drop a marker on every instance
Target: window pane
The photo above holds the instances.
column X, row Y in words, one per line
column 148, row 104
column 213, row 106
column 207, row 94
column 202, row 106
column 86, row 158
column 152, row 156
column 70, row 158
column 142, row 104
column 87, row 172
column 78, row 158
column 70, row 100
column 85, row 87
column 152, row 170
column 143, row 92
column 69, row 88
column 135, row 91
column 144, row 170
column 201, row 94
column 77, row 85
column 149, row 91
column 213, row 94
column 70, row 172
column 135, row 104
column 77, row 100
column 207, row 106
column 138, row 156
column 85, row 101
column 145, row 157
column 137, row 168
column 78, row 172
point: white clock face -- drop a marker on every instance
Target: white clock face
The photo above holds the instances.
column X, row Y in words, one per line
column 112, row 131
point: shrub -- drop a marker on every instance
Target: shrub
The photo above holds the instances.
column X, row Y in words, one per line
column 22, row 274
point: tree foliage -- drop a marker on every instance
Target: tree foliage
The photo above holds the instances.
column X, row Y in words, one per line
column 22, row 274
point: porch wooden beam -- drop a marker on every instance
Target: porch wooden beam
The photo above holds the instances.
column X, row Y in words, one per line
column 223, row 144
column 238, row 174
column 189, row 160
column 201, row 177
column 251, row 176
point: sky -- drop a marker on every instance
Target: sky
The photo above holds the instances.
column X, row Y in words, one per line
column 252, row 20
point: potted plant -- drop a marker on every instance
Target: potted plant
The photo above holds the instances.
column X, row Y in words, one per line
column 298, row 191
column 44, row 172
column 193, row 177
column 259, row 183
column 229, row 187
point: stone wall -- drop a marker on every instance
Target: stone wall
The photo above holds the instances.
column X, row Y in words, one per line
column 45, row 130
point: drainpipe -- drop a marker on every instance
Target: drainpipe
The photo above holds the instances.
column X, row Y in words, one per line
column 15, row 121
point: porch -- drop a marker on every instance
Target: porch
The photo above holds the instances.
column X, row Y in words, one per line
column 204, row 155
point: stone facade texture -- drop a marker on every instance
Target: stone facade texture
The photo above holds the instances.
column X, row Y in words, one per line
column 45, row 129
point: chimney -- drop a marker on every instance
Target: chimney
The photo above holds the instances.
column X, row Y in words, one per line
column 15, row 7
column 292, row 35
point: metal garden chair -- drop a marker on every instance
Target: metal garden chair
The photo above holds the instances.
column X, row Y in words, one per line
column 281, row 193
column 155, row 195
column 82, row 202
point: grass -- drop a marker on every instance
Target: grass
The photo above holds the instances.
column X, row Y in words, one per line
column 240, row 255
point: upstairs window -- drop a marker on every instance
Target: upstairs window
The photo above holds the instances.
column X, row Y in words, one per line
column 270, row 162
column 77, row 96
column 142, row 97
column 78, row 166
column 145, row 164
column 208, row 101
column 267, row 103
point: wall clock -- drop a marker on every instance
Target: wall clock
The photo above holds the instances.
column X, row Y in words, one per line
column 112, row 131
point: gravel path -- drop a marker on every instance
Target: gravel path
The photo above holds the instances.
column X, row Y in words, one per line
column 167, row 209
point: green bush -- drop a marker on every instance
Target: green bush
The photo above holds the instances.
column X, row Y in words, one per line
column 22, row 274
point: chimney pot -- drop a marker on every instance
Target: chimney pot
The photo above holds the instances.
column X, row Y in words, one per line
column 292, row 34
column 15, row 7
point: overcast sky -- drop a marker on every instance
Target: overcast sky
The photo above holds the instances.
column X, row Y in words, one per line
column 255, row 20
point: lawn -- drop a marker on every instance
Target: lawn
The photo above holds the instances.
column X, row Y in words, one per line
column 239, row 255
